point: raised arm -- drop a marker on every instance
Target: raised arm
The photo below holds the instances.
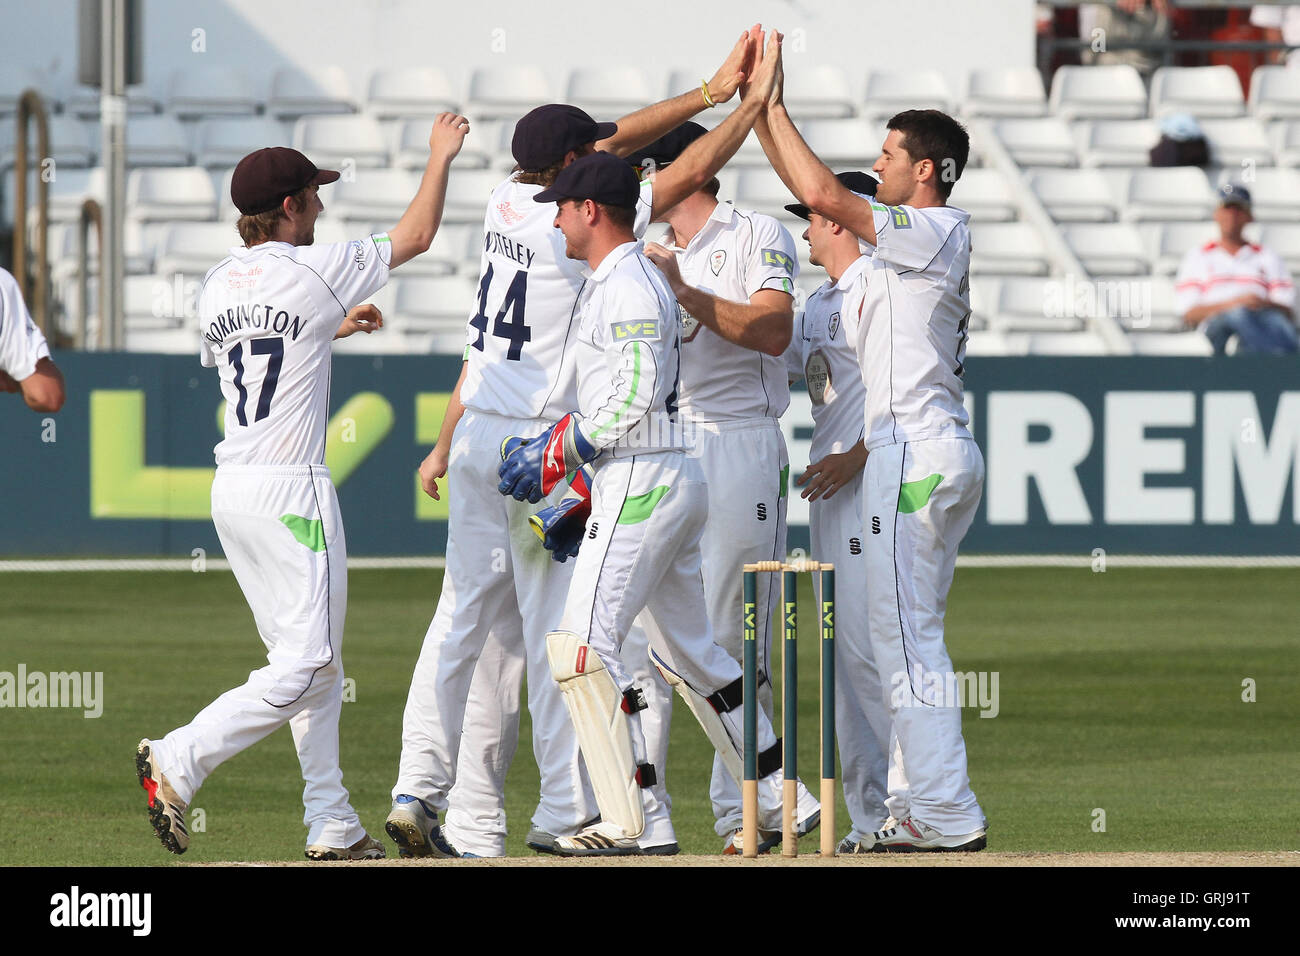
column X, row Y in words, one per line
column 415, row 230
column 647, row 125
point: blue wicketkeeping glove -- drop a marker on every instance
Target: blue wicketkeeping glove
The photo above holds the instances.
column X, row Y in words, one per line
column 531, row 468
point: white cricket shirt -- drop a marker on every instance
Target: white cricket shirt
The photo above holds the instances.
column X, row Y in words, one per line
column 21, row 342
column 732, row 257
column 822, row 354
column 913, row 302
column 520, row 333
column 1210, row 275
column 268, row 316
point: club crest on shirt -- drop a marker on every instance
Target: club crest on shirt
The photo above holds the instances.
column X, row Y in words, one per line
column 690, row 324
column 717, row 259
column 834, row 325
column 817, row 375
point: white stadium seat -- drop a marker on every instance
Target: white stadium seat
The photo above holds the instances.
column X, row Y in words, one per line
column 1167, row 243
column 71, row 144
column 1075, row 195
column 336, row 142
column 1033, row 305
column 984, row 293
column 1284, row 239
column 986, row 195
column 1007, row 248
column 167, row 193
column 437, row 308
column 1059, row 343
column 851, row 143
column 761, row 189
column 1274, row 93
column 223, row 142
column 1234, row 142
column 156, row 141
column 83, row 103
column 506, row 92
column 1116, row 142
column 985, row 343
column 66, row 193
column 609, row 93
column 1108, row 249
column 181, row 340
column 1005, row 91
column 1163, row 315
column 467, row 195
column 1191, row 343
column 890, row 92
column 447, row 254
column 294, row 93
column 1037, row 141
column 375, row 194
column 1286, row 142
column 1098, row 92
column 193, row 247
column 820, row 91
column 212, row 91
column 1274, row 192
column 411, row 144
column 416, row 91
column 1203, row 91
column 1174, row 193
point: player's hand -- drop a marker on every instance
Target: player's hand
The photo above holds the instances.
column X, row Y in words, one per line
column 432, row 468
column 562, row 526
column 364, row 318
column 447, row 136
column 832, row 473
column 666, row 261
column 737, row 67
column 771, row 70
column 8, row 383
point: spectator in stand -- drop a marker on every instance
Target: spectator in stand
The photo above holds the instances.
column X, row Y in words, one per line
column 1125, row 21
column 1281, row 24
column 1182, row 142
column 1233, row 287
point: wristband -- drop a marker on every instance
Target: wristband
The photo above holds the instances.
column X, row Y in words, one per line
column 704, row 91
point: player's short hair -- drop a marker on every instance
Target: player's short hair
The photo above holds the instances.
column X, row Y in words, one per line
column 712, row 187
column 539, row 177
column 936, row 136
column 622, row 216
column 261, row 226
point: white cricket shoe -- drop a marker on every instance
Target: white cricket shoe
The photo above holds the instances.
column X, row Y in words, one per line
column 602, row 839
column 367, row 848
column 913, row 836
column 166, row 810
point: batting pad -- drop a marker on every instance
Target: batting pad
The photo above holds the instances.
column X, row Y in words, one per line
column 604, row 733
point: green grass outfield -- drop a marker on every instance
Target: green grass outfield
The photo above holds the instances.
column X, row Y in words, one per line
column 1119, row 691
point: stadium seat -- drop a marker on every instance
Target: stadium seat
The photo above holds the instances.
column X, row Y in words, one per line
column 212, row 91
column 1033, row 305
column 410, row 92
column 1058, row 343
column 1005, row 91
column 890, row 91
column 182, row 340
column 83, row 102
column 1284, row 239
column 447, row 254
column 1167, row 243
column 1286, row 142
column 1115, row 142
column 1274, row 93
column 1111, row 92
column 1075, row 195
column 193, row 247
column 1163, row 315
column 67, row 192
column 481, row 146
column 71, row 145
column 506, row 92
column 149, row 303
column 375, row 194
column 985, row 343
column 820, row 91
column 1008, row 249
column 220, row 143
column 609, row 93
column 850, row 143
column 1175, row 193
column 986, row 195
column 761, row 189
column 295, row 93
column 337, row 142
column 1274, row 192
column 1203, row 91
column 438, row 304
column 1234, row 142
column 1108, row 249
column 467, row 195
column 1192, row 343
column 156, row 141
column 984, row 293
column 1037, row 141
column 166, row 193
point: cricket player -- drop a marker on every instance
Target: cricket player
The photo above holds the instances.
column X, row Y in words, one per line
column 822, row 354
column 25, row 363
column 268, row 314
column 648, row 508
column 924, row 472
column 733, row 273
column 519, row 378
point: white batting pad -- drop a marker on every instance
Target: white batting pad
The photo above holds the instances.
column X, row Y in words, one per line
column 603, row 729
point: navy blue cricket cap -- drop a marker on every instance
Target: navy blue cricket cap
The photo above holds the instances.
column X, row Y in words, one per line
column 667, row 147
column 601, row 177
column 264, row 177
column 860, row 183
column 1232, row 194
column 543, row 136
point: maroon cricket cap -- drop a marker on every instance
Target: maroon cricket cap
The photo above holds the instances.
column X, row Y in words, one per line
column 263, row 178
column 543, row 136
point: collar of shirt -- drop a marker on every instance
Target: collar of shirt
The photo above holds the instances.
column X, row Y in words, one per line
column 723, row 213
column 243, row 252
column 612, row 258
column 852, row 272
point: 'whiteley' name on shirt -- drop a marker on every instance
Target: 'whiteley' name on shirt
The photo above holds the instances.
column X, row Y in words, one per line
column 256, row 316
column 495, row 242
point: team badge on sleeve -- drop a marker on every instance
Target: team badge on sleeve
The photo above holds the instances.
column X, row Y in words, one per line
column 635, row 330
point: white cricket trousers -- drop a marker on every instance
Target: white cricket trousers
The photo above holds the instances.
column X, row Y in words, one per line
column 920, row 499
column 861, row 713
column 281, row 531
column 500, row 581
column 747, row 469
